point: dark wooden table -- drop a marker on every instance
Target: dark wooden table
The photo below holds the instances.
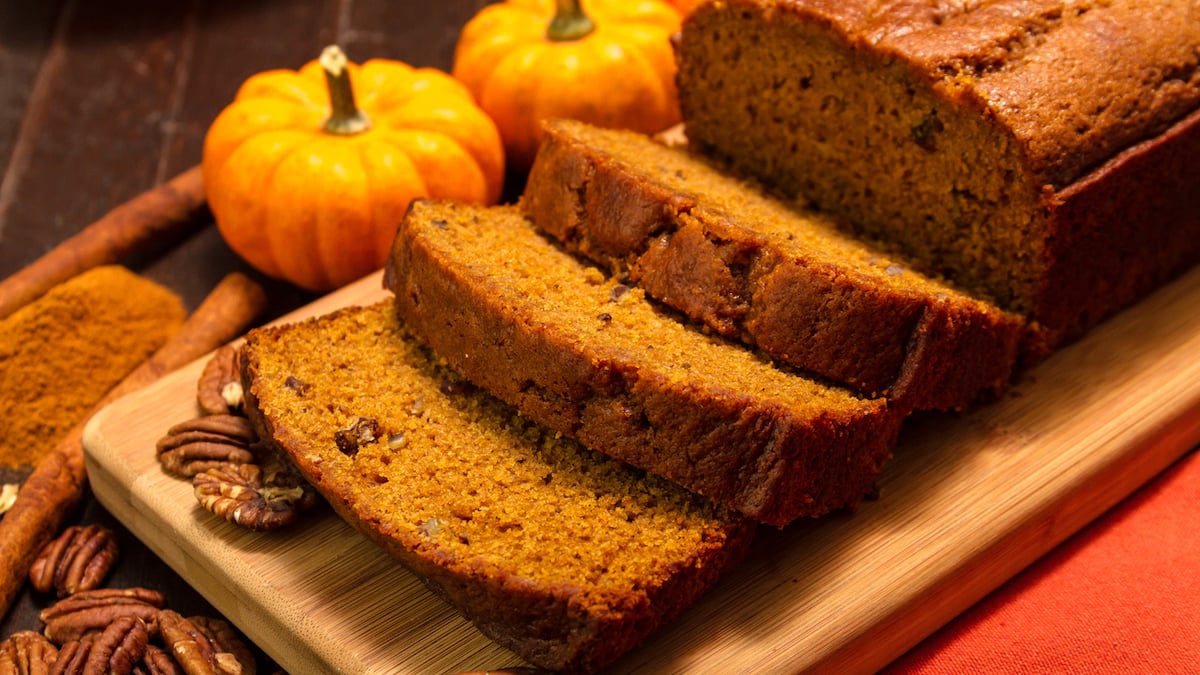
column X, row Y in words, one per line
column 101, row 101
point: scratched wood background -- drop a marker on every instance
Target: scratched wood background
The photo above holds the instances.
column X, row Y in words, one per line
column 102, row 100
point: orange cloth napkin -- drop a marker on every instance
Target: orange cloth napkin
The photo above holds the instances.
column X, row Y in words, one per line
column 1121, row 596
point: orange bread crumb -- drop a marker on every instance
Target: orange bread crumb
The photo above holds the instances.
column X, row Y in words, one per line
column 780, row 277
column 563, row 555
column 593, row 359
column 1042, row 153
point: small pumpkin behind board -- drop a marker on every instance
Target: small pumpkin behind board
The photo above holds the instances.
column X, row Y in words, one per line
column 307, row 173
column 610, row 64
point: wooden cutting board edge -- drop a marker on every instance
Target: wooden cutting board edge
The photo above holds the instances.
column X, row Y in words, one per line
column 1035, row 536
column 216, row 574
column 1122, row 455
column 1049, row 470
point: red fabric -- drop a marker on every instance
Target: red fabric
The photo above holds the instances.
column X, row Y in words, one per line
column 1121, row 596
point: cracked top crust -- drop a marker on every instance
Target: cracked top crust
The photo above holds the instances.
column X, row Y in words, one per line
column 1120, row 71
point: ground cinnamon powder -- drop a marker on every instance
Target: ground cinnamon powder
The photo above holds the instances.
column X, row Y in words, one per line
column 61, row 353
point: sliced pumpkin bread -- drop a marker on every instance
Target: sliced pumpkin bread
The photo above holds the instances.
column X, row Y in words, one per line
column 591, row 358
column 768, row 272
column 565, row 556
column 1044, row 153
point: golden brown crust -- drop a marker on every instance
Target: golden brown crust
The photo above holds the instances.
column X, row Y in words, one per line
column 704, row 255
column 1122, row 231
column 772, row 446
column 546, row 625
column 1074, row 82
column 1040, row 153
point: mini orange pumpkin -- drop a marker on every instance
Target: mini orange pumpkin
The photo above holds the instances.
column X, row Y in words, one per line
column 307, row 186
column 685, row 7
column 528, row 60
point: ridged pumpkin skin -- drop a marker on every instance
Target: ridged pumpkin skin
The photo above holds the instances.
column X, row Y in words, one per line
column 620, row 75
column 320, row 209
column 685, row 7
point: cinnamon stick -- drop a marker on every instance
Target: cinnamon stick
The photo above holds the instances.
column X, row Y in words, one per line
column 57, row 483
column 165, row 210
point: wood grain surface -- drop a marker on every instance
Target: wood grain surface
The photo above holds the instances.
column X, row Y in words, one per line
column 966, row 503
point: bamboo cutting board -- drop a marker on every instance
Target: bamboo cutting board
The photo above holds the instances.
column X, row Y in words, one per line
column 966, row 503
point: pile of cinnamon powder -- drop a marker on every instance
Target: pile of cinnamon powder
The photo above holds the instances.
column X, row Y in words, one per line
column 60, row 354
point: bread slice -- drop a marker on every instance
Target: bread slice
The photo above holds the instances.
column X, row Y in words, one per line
column 1043, row 153
column 592, row 358
column 560, row 554
column 775, row 275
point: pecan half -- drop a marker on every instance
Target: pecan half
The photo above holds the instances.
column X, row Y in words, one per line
column 90, row 612
column 229, row 645
column 219, row 391
column 27, row 652
column 77, row 560
column 202, row 443
column 256, row 498
column 119, row 648
column 196, row 651
column 158, row 662
column 72, row 658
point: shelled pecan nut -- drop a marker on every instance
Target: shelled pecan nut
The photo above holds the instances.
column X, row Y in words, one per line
column 119, row 648
column 219, row 391
column 197, row 651
column 159, row 662
column 254, row 497
column 27, row 652
column 90, row 612
column 72, row 658
column 202, row 443
column 230, row 648
column 78, row 560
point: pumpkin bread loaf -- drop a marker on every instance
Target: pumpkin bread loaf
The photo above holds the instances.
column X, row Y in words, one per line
column 767, row 272
column 593, row 359
column 1043, row 153
column 562, row 555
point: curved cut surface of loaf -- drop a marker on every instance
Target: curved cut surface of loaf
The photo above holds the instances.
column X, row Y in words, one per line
column 590, row 357
column 1044, row 154
column 565, row 556
column 769, row 272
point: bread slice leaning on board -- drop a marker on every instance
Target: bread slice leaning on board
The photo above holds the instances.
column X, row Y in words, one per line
column 564, row 556
column 594, row 360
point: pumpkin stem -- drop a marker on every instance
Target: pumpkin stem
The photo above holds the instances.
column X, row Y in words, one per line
column 569, row 22
column 345, row 119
